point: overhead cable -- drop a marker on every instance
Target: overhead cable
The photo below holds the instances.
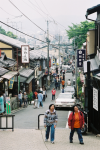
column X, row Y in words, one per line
column 26, row 16
column 22, row 32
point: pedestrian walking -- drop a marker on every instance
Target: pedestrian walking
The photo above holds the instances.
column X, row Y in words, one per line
column 76, row 122
column 40, row 98
column 36, row 99
column 44, row 94
column 20, row 98
column 55, row 81
column 50, row 121
column 25, row 99
column 58, row 84
column 63, row 83
column 53, row 94
column 62, row 90
column 1, row 104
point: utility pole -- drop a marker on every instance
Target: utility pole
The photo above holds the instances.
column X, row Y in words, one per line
column 75, row 67
column 48, row 42
column 59, row 54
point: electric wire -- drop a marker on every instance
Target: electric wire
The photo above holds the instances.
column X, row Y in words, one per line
column 43, row 12
column 27, row 34
column 32, row 8
column 7, row 12
column 52, row 17
column 26, row 16
column 29, row 18
column 22, row 32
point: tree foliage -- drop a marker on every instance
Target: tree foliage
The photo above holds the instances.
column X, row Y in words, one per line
column 79, row 31
column 9, row 33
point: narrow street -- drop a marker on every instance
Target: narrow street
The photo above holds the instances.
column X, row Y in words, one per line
column 27, row 118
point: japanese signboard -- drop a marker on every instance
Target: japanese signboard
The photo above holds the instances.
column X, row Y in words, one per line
column 25, row 53
column 81, row 56
column 95, row 99
column 50, row 63
column 8, row 108
column 11, row 82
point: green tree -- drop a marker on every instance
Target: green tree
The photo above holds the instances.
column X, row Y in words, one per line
column 79, row 31
column 9, row 33
column 2, row 31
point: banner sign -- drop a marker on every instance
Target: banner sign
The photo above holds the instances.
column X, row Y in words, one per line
column 8, row 107
column 50, row 63
column 81, row 56
column 11, row 83
column 95, row 99
column 53, row 61
column 25, row 53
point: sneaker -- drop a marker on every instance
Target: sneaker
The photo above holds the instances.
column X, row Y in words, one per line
column 46, row 140
column 71, row 141
column 81, row 142
column 52, row 142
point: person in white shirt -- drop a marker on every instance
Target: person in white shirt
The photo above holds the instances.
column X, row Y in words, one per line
column 69, row 82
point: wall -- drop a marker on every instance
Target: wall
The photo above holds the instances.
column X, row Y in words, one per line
column 91, row 42
column 30, row 87
column 5, row 47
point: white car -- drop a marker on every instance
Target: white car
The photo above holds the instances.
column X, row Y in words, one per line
column 69, row 89
column 65, row 100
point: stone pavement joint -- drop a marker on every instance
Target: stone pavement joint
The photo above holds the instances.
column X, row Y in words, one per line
column 31, row 139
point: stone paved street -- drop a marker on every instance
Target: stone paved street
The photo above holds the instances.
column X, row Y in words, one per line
column 31, row 139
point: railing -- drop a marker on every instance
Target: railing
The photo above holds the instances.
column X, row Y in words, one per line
column 39, row 121
column 7, row 122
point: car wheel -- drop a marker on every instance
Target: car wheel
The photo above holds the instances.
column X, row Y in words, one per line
column 83, row 130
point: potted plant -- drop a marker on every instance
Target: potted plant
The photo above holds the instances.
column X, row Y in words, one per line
column 30, row 97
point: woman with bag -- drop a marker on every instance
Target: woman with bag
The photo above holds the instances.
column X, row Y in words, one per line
column 76, row 122
column 1, row 104
column 50, row 121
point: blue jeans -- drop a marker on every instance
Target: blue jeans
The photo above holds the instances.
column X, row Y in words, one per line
column 39, row 104
column 20, row 102
column 78, row 132
column 53, row 97
column 52, row 132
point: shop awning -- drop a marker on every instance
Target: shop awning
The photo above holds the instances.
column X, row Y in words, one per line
column 93, row 65
column 30, row 79
column 10, row 75
column 1, row 79
column 22, row 79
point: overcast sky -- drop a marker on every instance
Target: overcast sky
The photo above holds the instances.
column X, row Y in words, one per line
column 64, row 12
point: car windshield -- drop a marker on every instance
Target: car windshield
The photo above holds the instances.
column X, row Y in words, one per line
column 69, row 89
column 65, row 96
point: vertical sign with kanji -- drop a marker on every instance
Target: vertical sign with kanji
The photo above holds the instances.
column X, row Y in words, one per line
column 25, row 53
column 81, row 56
column 8, row 107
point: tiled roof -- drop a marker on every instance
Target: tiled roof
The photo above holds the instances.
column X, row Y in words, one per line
column 13, row 42
column 5, row 61
column 38, row 54
column 3, row 71
column 26, row 72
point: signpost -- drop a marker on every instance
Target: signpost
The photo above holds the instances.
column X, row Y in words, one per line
column 8, row 107
column 81, row 56
column 95, row 99
column 25, row 53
